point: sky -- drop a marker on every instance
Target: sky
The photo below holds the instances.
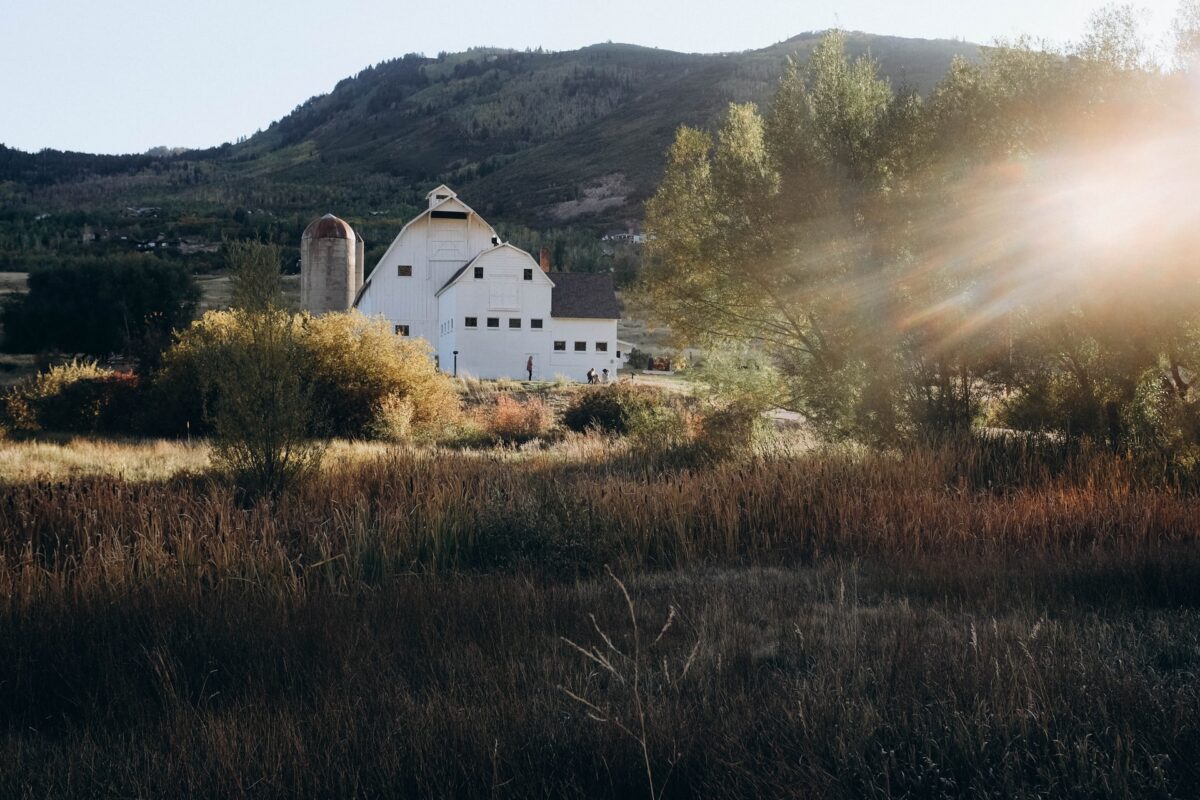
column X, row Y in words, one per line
column 122, row 76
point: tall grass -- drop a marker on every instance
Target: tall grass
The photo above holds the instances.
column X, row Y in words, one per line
column 363, row 521
column 987, row 621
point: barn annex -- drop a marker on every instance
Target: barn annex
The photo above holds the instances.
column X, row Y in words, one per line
column 486, row 307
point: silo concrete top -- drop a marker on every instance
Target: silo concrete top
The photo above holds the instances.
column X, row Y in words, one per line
column 328, row 227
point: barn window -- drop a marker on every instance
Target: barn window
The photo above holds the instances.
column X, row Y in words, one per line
column 514, row 322
column 402, row 330
column 493, row 322
column 535, row 323
column 560, row 345
column 528, row 274
column 478, row 273
column 404, row 270
column 601, row 347
column 471, row 322
column 581, row 347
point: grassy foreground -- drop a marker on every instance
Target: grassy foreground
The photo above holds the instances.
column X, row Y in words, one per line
column 939, row 624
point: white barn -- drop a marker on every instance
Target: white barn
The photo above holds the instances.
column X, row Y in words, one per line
column 487, row 307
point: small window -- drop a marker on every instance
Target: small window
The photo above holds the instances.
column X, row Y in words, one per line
column 560, row 345
column 493, row 322
column 478, row 273
column 581, row 347
column 402, row 330
column 528, row 274
column 514, row 322
column 601, row 347
column 471, row 322
column 618, row 354
column 535, row 323
column 404, row 270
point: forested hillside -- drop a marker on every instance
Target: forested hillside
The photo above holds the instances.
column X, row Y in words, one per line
column 571, row 138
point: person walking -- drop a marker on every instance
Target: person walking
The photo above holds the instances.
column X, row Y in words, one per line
column 529, row 367
column 591, row 375
column 604, row 375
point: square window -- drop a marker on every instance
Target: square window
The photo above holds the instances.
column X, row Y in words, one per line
column 601, row 347
column 535, row 323
column 478, row 273
column 471, row 322
column 528, row 274
column 581, row 347
column 560, row 345
column 514, row 322
column 493, row 322
column 404, row 270
column 402, row 330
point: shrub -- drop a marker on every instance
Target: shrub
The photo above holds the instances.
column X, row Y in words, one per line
column 610, row 408
column 729, row 429
column 354, row 367
column 662, row 428
column 638, row 359
column 392, row 419
column 79, row 397
column 354, row 363
column 512, row 420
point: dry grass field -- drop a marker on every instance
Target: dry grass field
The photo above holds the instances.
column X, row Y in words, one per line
column 970, row 621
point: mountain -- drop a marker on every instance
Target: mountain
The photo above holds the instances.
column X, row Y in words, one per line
column 543, row 138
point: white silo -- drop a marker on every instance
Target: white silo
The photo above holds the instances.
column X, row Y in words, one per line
column 330, row 265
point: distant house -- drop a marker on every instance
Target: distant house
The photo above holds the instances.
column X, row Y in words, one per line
column 486, row 306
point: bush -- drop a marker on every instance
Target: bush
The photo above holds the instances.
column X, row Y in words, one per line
column 356, row 370
column 79, row 397
column 354, row 363
column 512, row 420
column 611, row 408
column 662, row 428
column 730, row 429
column 392, row 419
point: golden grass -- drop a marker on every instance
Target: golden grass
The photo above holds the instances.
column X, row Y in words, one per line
column 134, row 460
column 76, row 457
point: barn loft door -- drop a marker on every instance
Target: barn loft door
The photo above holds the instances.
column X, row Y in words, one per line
column 448, row 240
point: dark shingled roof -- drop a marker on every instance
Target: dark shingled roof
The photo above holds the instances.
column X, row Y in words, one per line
column 584, row 294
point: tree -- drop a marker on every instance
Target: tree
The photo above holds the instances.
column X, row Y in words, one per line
column 254, row 275
column 99, row 307
column 264, row 418
column 1023, row 234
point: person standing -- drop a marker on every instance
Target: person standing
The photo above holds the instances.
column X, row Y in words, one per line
column 604, row 375
column 529, row 367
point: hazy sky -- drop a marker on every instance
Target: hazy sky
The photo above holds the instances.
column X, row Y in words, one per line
column 125, row 75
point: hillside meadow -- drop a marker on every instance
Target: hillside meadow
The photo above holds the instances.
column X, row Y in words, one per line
column 579, row 617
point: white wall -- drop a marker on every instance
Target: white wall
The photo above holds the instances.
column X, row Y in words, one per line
column 503, row 294
column 574, row 365
column 435, row 249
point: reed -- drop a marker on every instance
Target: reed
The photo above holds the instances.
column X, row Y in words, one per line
column 953, row 621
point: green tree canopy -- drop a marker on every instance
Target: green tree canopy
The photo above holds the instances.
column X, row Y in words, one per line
column 100, row 307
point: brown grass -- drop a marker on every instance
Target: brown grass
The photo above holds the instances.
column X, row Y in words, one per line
column 937, row 624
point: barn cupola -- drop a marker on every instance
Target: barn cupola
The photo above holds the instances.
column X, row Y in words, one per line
column 440, row 194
